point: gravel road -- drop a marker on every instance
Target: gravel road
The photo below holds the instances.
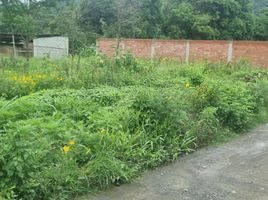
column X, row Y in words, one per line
column 237, row 170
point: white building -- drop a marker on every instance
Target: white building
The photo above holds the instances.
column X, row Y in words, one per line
column 53, row 47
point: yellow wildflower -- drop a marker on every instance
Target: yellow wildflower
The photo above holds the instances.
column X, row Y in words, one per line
column 102, row 131
column 59, row 78
column 187, row 85
column 71, row 142
column 14, row 78
column 88, row 151
column 33, row 83
column 66, row 149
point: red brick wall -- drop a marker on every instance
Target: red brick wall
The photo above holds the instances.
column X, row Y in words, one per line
column 257, row 52
column 140, row 48
column 107, row 46
column 212, row 50
column 169, row 49
column 208, row 50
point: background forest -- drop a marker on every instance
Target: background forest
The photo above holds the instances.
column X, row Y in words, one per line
column 84, row 20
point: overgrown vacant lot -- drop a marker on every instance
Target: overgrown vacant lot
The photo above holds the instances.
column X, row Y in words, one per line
column 69, row 127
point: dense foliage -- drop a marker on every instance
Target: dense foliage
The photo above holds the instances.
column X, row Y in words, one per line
column 84, row 20
column 69, row 128
column 81, row 124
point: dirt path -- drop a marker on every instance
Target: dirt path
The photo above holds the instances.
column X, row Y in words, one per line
column 234, row 171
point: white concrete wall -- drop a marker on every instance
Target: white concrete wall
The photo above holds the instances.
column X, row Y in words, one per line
column 53, row 47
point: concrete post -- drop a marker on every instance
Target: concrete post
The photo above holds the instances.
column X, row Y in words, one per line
column 14, row 46
column 153, row 49
column 230, row 51
column 187, row 51
column 97, row 46
column 123, row 46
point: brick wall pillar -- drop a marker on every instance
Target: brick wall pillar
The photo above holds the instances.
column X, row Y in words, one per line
column 153, row 49
column 230, row 51
column 187, row 51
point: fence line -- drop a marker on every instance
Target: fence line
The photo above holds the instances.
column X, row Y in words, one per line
column 14, row 51
column 50, row 47
column 33, row 47
column 190, row 50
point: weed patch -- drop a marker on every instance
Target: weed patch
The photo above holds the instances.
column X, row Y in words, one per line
column 66, row 131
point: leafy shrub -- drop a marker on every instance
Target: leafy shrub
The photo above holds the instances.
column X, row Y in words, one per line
column 12, row 85
column 236, row 106
column 195, row 74
column 251, row 75
column 110, row 121
column 205, row 95
column 234, row 102
column 127, row 61
column 117, row 133
column 260, row 92
column 206, row 126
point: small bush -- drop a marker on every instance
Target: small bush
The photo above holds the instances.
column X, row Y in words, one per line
column 236, row 106
column 205, row 95
column 206, row 126
column 78, row 125
column 12, row 85
column 196, row 74
column 127, row 61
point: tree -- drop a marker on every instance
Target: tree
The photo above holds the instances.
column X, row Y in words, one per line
column 94, row 13
column 111, row 18
column 262, row 25
column 259, row 5
column 182, row 21
column 150, row 19
column 10, row 10
column 17, row 19
column 66, row 23
column 87, row 19
column 126, row 21
column 232, row 19
column 209, row 19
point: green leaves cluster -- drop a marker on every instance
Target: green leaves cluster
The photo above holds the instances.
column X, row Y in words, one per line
column 117, row 133
column 85, row 20
column 188, row 19
column 63, row 142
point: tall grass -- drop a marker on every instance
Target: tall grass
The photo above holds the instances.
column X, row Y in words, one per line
column 69, row 128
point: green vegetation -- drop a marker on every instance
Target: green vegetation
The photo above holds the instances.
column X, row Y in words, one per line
column 73, row 126
column 85, row 20
column 82, row 124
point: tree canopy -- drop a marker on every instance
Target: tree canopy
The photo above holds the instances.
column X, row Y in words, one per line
column 178, row 19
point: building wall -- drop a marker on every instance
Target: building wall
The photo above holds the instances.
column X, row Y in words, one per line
column 257, row 52
column 140, row 48
column 208, row 50
column 54, row 47
column 190, row 50
column 170, row 49
column 6, row 50
column 108, row 46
